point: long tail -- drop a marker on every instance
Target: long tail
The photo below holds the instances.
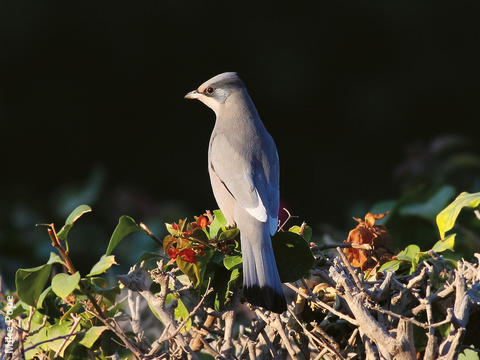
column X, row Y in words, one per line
column 261, row 283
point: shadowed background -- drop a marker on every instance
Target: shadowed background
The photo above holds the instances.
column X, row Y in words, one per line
column 358, row 96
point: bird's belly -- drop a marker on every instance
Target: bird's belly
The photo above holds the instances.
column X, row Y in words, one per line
column 225, row 200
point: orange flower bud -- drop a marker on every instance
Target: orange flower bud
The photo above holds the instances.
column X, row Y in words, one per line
column 188, row 255
column 202, row 221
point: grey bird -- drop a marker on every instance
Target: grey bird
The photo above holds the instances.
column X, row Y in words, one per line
column 244, row 173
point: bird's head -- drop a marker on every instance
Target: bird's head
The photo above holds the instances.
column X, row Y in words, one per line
column 215, row 91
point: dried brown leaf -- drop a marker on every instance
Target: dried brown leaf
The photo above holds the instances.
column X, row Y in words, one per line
column 366, row 232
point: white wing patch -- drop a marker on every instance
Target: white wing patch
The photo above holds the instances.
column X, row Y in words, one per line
column 258, row 212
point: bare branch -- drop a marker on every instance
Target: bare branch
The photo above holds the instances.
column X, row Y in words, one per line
column 150, row 233
column 196, row 343
column 276, row 323
column 252, row 338
column 342, row 246
column 184, row 322
column 430, row 349
column 226, row 349
column 320, row 303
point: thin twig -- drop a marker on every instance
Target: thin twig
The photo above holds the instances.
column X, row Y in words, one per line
column 277, row 325
column 196, row 343
column 53, row 339
column 431, row 342
column 252, row 338
column 74, row 326
column 351, row 341
column 420, row 277
column 211, row 350
column 376, row 307
column 342, row 246
column 352, row 272
column 314, row 338
column 57, row 245
column 323, row 305
column 151, row 234
column 21, row 344
column 302, row 228
column 119, row 332
column 440, row 294
column 330, row 340
column 195, row 309
column 252, row 350
column 29, row 322
column 268, row 343
column 290, row 216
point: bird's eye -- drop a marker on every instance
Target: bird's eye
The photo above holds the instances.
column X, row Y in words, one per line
column 209, row 90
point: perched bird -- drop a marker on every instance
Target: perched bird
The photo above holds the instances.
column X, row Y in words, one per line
column 244, row 172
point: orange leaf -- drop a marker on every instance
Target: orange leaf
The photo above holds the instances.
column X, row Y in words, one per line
column 366, row 232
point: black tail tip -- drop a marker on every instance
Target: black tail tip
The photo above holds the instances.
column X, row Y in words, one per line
column 265, row 297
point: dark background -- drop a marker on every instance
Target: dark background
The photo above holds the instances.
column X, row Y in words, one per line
column 92, row 108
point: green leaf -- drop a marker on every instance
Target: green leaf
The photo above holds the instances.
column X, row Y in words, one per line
column 191, row 270
column 218, row 222
column 447, row 217
column 92, row 335
column 224, row 283
column 76, row 308
column 19, row 309
column 74, row 216
column 60, row 329
column 430, row 208
column 469, row 354
column 31, row 282
column 292, row 255
column 200, row 235
column 42, row 297
column 149, row 256
column 228, row 234
column 445, row 244
column 98, row 285
column 419, row 257
column 307, row 232
column 409, row 253
column 37, row 321
column 170, row 229
column 202, row 264
column 392, row 265
column 149, row 260
column 181, row 312
column 234, row 276
column 54, row 258
column 102, row 265
column 205, row 356
column 152, row 309
column 168, row 242
column 231, row 261
column 220, row 282
column 48, row 333
column 40, row 336
column 64, row 284
column 126, row 225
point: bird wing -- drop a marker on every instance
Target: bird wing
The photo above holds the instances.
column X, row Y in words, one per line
column 247, row 178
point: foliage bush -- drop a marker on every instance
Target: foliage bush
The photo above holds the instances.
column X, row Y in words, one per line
column 414, row 303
